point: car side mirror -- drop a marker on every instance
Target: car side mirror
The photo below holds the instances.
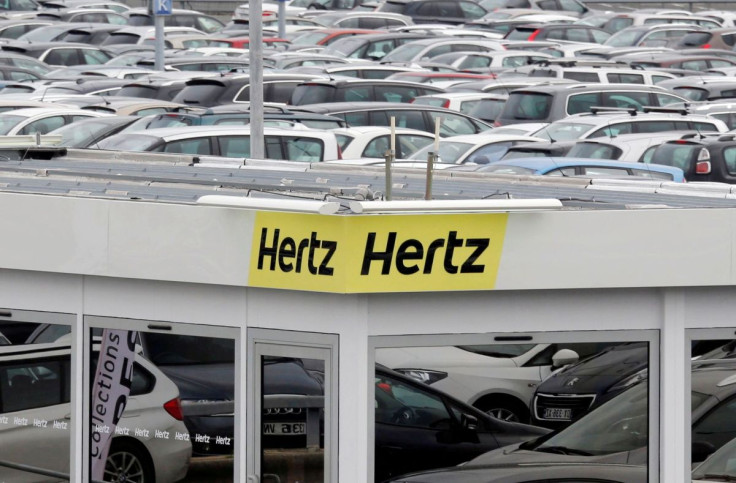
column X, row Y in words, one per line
column 482, row 159
column 564, row 357
column 701, row 450
column 469, row 422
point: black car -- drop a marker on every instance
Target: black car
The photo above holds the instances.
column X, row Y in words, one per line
column 359, row 90
column 419, row 428
column 702, row 158
column 572, row 392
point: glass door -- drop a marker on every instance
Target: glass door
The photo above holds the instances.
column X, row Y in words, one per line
column 291, row 407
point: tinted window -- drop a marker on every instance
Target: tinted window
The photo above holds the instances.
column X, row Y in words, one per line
column 677, row 155
column 309, row 150
column 626, row 99
column 613, row 130
column 312, row 94
column 33, row 384
column 582, row 76
column 695, row 39
column 583, row 102
column 189, row 146
column 692, row 93
column 595, row 151
column 729, row 156
column 452, row 125
column 527, row 106
column 401, row 404
column 204, row 94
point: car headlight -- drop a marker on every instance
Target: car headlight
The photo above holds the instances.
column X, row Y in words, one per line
column 630, row 381
column 426, row 376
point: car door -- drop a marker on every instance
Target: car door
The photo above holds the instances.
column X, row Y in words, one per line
column 416, row 429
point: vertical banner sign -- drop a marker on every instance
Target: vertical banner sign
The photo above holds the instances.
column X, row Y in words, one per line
column 110, row 390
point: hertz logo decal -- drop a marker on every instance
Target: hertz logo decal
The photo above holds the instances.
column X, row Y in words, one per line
column 365, row 254
column 412, row 253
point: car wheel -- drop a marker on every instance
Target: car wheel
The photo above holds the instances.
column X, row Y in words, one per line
column 504, row 409
column 128, row 462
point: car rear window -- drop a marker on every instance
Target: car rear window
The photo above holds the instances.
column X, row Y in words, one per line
column 696, row 39
column 117, row 38
column 692, row 93
column 312, row 94
column 522, row 33
column 527, row 106
column 616, row 24
column 203, row 94
column 677, row 154
column 595, row 151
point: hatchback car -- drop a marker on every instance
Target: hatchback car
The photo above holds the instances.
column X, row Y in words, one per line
column 711, row 158
column 471, row 149
column 435, row 11
column 565, row 32
column 419, row 427
column 41, row 120
column 373, row 142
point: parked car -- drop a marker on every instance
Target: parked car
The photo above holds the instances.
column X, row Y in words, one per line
column 435, row 11
column 605, row 122
column 178, row 18
column 89, row 132
column 581, row 167
column 723, row 38
column 484, row 106
column 425, row 49
column 62, row 54
column 702, row 88
column 565, row 32
column 471, row 148
column 372, row 46
column 651, row 35
column 41, row 120
column 293, row 144
column 702, row 158
column 406, row 115
column 622, row 21
column 497, row 379
column 532, row 473
column 556, row 102
column 374, row 141
column 419, row 427
column 32, row 386
column 358, row 90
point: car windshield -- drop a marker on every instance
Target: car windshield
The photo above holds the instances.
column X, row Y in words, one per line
column 449, row 153
column 622, row 424
column 677, row 155
column 405, row 53
column 498, row 350
column 8, row 122
column 563, row 131
column 624, row 38
column 128, row 142
column 720, row 463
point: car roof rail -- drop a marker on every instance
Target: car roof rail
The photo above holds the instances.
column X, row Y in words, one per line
column 630, row 110
column 667, row 110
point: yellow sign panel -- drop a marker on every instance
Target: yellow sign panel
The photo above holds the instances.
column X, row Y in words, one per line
column 364, row 254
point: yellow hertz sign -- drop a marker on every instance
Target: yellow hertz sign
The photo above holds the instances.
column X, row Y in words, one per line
column 362, row 254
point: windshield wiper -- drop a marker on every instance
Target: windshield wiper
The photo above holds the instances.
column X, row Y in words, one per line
column 720, row 477
column 562, row 450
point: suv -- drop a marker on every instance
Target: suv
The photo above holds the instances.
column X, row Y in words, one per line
column 554, row 102
column 433, row 11
column 711, row 158
column 407, row 115
column 560, row 31
column 702, row 88
column 34, row 385
column 596, row 71
column 359, row 90
column 606, row 122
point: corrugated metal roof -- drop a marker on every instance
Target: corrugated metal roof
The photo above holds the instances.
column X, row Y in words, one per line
column 183, row 179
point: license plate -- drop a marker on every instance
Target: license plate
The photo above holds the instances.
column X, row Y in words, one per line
column 558, row 413
column 285, row 429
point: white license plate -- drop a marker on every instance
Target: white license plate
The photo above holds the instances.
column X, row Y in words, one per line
column 558, row 413
column 285, row 429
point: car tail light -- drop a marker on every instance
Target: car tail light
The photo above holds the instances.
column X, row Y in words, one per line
column 534, row 35
column 339, row 152
column 496, row 123
column 446, row 104
column 705, row 46
column 702, row 165
column 173, row 407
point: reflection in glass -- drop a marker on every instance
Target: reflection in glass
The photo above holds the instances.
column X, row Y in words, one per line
column 35, row 409
column 178, row 420
column 292, row 439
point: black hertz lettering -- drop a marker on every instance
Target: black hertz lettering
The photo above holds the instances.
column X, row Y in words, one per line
column 410, row 254
column 291, row 255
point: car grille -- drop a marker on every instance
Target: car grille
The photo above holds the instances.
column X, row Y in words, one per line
column 578, row 404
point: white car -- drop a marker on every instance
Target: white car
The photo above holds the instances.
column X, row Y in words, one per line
column 374, row 141
column 480, row 148
column 482, row 105
column 495, row 378
column 41, row 119
column 294, row 143
column 35, row 428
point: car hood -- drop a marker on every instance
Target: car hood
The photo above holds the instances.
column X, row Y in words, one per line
column 599, row 371
column 513, row 454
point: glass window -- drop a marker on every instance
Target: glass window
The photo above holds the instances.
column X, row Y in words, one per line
column 595, row 151
column 308, row 150
column 395, row 93
column 577, row 35
column 404, row 118
column 665, row 99
column 599, row 36
column 408, row 144
column 189, row 146
column 613, row 130
column 453, row 125
column 564, row 131
column 488, row 154
column 404, row 405
column 729, row 156
column 694, row 65
column 471, row 10
column 234, row 146
column 582, row 76
column 583, row 102
column 43, row 126
column 692, row 93
column 528, row 106
column 626, row 99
